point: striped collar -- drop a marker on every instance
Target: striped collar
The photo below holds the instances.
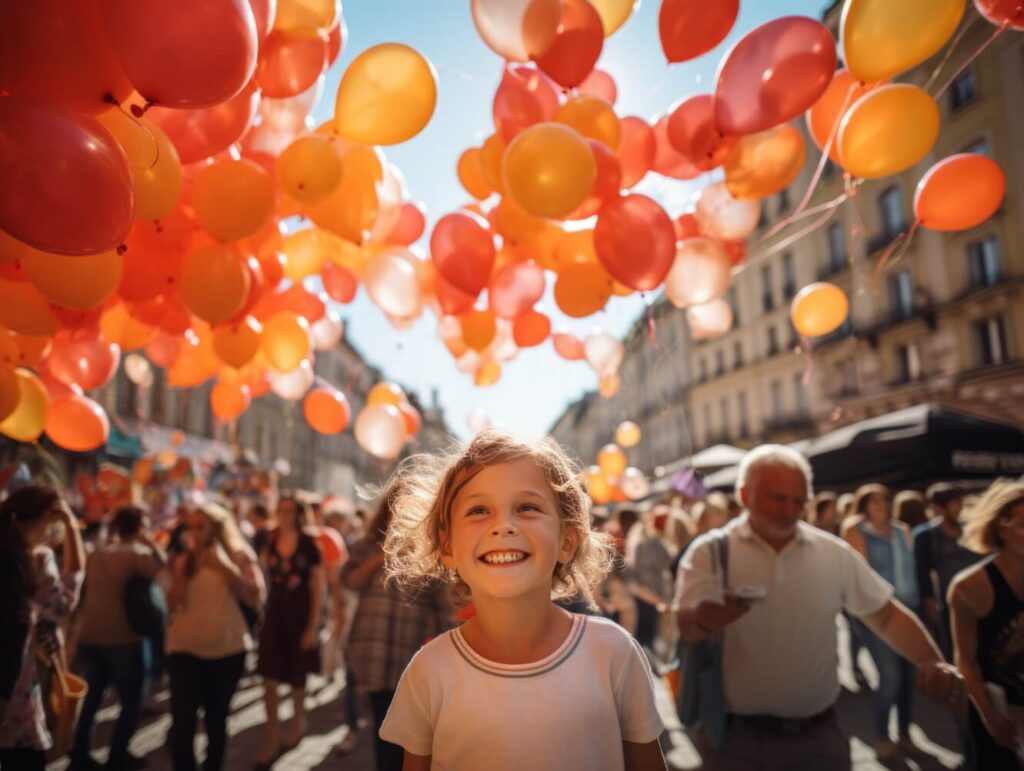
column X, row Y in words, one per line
column 531, row 669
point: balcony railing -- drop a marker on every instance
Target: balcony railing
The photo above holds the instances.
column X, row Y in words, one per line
column 788, row 423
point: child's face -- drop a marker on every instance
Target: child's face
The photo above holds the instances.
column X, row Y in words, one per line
column 506, row 534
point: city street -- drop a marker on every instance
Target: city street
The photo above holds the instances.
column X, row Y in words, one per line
column 934, row 732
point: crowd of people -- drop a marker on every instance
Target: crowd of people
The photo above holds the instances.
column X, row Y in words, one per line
column 486, row 616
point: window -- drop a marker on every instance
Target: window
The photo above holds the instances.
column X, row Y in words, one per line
column 783, row 201
column 737, row 354
column 158, row 401
column 849, row 375
column 744, row 422
column 830, row 169
column 708, row 429
column 725, row 418
column 962, row 91
column 762, row 218
column 731, row 299
column 184, row 397
column 901, row 295
column 836, row 248
column 908, row 362
column 891, row 202
column 803, row 407
column 703, row 370
column 983, row 259
column 767, row 294
column 980, row 147
column 788, row 276
column 777, row 407
column 990, row 337
column 773, row 341
column 719, row 362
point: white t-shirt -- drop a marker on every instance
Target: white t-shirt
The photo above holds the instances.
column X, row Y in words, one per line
column 211, row 624
column 780, row 658
column 572, row 709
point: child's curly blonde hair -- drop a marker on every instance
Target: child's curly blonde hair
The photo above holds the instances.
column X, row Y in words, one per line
column 424, row 489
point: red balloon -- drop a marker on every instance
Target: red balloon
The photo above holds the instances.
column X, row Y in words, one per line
column 607, row 182
column 77, row 423
column 331, row 546
column 412, row 418
column 288, row 64
column 959, row 192
column 1000, row 12
column 264, row 12
column 525, row 96
column 668, row 161
column 737, row 251
column 690, row 28
column 339, row 283
column 636, row 150
column 577, row 45
column 411, row 222
column 462, row 248
column 600, row 84
column 199, row 134
column 153, row 256
column 295, row 299
column 774, row 73
column 57, row 51
column 84, row 359
column 568, row 346
column 515, row 288
column 530, row 329
column 67, row 187
column 693, row 133
column 687, row 226
column 189, row 53
column 163, row 349
column 451, row 300
column 635, row 241
column 257, row 288
column 336, row 37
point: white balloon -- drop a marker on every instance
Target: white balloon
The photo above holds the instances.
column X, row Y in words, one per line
column 392, row 282
column 634, row 484
column 501, row 24
column 326, row 332
column 503, row 347
column 603, row 352
column 469, row 362
column 478, row 420
column 292, row 386
column 389, row 204
column 709, row 320
column 138, row 370
column 380, row 430
column 699, row 274
column 723, row 217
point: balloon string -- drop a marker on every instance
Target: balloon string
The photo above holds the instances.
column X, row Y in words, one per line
column 950, row 49
column 805, row 348
column 818, row 171
column 893, row 253
column 832, row 208
column 131, row 115
column 967, row 62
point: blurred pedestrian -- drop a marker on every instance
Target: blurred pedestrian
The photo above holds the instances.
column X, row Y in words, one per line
column 910, row 508
column 823, row 512
column 649, row 563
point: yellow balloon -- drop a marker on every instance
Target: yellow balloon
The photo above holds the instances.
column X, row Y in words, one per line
column 612, row 460
column 285, row 340
column 488, row 374
column 549, row 170
column 214, row 283
column 309, row 168
column 888, row 130
column 24, row 310
column 882, row 38
column 233, row 199
column 236, row 344
column 79, row 283
column 350, row 210
column 386, row 96
column 10, row 391
column 819, row 309
column 470, row 170
column 593, row 117
column 26, row 422
column 765, row 163
column 305, row 17
column 627, row 434
column 305, row 253
column 386, row 393
column 598, row 485
column 118, row 326
column 614, row 13
column 153, row 160
column 492, row 153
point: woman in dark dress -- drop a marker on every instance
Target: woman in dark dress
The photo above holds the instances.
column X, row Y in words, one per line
column 288, row 639
column 987, row 604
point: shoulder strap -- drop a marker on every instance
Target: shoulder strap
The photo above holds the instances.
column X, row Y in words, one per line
column 722, row 541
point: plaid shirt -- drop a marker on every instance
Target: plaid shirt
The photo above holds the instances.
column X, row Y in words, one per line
column 389, row 627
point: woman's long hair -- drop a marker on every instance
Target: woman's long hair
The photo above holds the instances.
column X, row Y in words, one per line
column 25, row 506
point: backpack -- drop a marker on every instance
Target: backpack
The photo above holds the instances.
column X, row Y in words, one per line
column 145, row 605
column 701, row 698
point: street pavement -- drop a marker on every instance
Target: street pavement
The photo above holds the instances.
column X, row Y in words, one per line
column 933, row 732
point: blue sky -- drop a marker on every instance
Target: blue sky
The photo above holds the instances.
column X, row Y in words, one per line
column 537, row 384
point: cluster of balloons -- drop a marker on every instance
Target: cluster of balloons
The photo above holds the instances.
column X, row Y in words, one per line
column 386, row 422
column 612, row 480
column 150, row 156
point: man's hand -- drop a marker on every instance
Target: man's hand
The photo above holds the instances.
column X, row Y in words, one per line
column 938, row 679
column 1002, row 730
column 931, row 612
column 713, row 616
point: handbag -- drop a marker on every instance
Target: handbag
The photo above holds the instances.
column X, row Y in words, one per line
column 145, row 606
column 64, row 702
column 701, row 698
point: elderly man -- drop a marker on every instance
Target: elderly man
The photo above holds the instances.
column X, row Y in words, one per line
column 779, row 656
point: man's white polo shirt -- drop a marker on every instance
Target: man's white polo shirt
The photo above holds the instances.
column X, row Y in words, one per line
column 780, row 658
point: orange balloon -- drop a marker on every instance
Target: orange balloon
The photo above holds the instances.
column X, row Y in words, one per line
column 637, row 149
column 612, row 460
column 350, row 209
column 492, row 155
column 214, row 283
column 32, row 349
column 23, row 309
column 229, row 399
column 285, row 340
column 549, row 169
column 79, row 283
column 118, row 326
column 413, row 420
column 154, row 161
column 9, row 390
column 575, row 246
column 888, row 130
column 594, row 118
column 765, row 163
column 26, row 422
column 236, row 343
column 819, row 309
column 959, row 192
column 568, row 346
column 233, row 199
column 488, row 374
column 598, row 486
column 531, row 329
column 309, row 168
column 77, row 423
column 326, row 410
column 478, row 328
column 386, row 393
column 582, row 288
column 471, row 174
column 827, row 113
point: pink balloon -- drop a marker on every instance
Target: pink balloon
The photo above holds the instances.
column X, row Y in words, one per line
column 635, row 240
column 199, row 134
column 462, row 248
column 600, row 84
column 411, row 222
column 188, row 53
column 289, row 65
column 83, row 359
column 66, row 184
column 1000, row 12
column 515, row 288
column 692, row 132
column 339, row 283
column 773, row 74
column 709, row 320
column 668, row 161
column 723, row 217
column 699, row 274
column 525, row 96
column 264, row 12
column 607, row 182
column 392, row 283
column 568, row 346
column 637, row 149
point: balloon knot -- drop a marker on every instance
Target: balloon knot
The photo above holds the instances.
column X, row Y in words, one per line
column 122, row 249
column 109, row 98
